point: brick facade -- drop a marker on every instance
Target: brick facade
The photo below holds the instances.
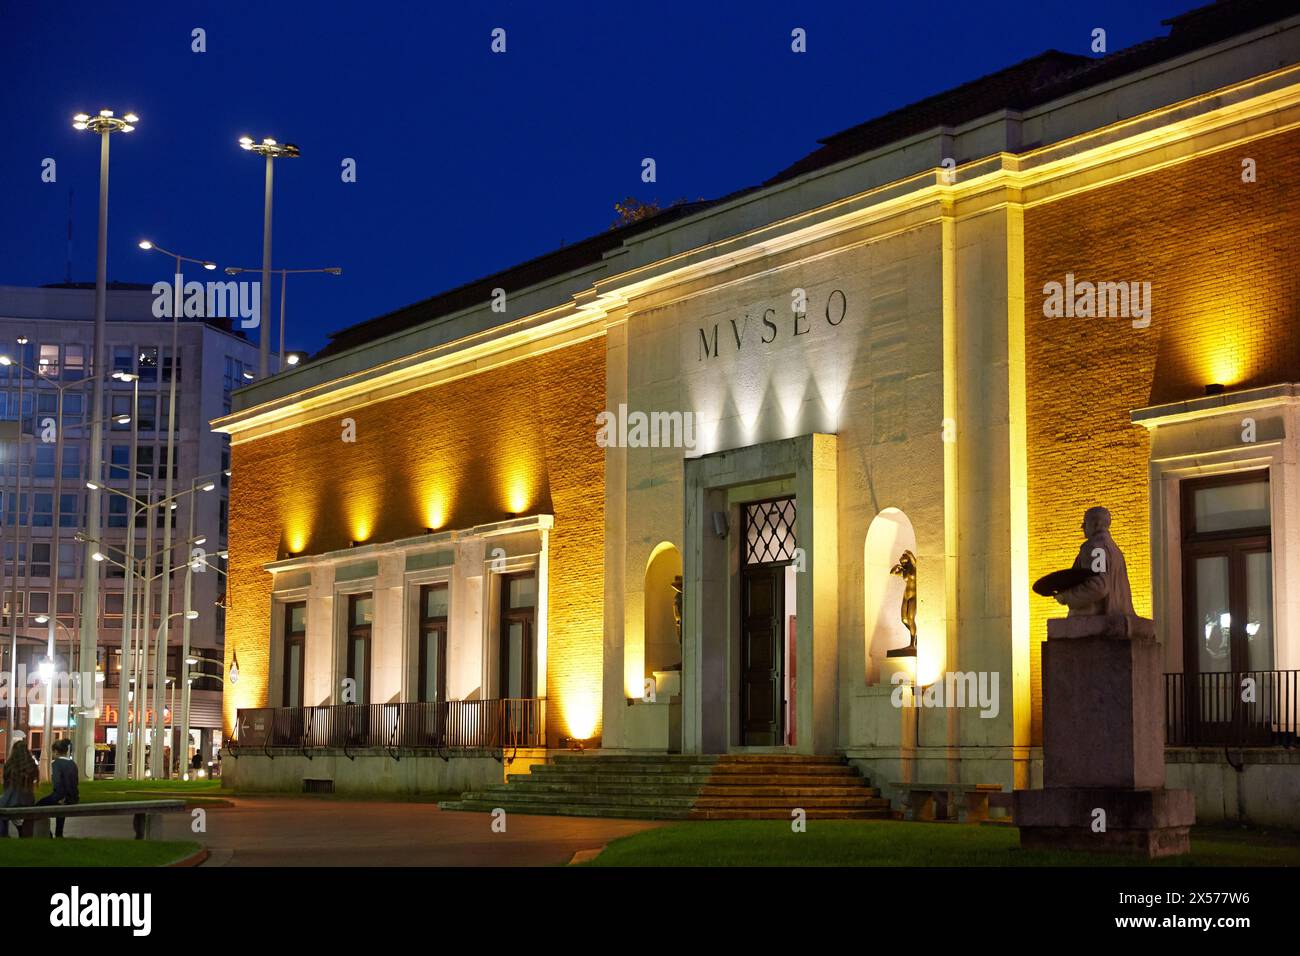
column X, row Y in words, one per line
column 1219, row 254
column 520, row 438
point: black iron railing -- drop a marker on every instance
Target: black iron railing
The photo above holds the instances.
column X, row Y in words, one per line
column 1232, row 708
column 499, row 723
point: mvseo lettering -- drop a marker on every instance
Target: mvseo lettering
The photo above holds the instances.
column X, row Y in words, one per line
column 768, row 326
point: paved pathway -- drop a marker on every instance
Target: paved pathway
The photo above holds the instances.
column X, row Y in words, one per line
column 295, row 831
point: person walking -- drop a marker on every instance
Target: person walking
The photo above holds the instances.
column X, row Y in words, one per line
column 64, row 774
column 20, row 782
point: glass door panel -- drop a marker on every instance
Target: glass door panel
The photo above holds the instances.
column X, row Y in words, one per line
column 1213, row 616
column 358, row 668
column 293, row 676
column 1258, row 628
column 515, row 633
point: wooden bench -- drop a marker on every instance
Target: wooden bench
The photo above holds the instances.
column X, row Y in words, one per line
column 146, row 815
column 937, row 801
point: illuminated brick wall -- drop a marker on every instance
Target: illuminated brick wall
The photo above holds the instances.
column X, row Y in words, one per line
column 1220, row 256
column 515, row 439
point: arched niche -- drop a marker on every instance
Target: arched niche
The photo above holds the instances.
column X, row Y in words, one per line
column 888, row 536
column 662, row 647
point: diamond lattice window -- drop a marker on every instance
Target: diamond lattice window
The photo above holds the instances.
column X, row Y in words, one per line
column 769, row 531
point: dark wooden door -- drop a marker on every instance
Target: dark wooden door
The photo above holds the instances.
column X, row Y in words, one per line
column 762, row 650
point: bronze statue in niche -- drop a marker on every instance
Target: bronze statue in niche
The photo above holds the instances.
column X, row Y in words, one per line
column 677, row 606
column 906, row 569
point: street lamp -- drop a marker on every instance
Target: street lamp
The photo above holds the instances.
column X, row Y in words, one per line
column 105, row 124
column 272, row 150
column 171, row 459
column 77, row 693
column 13, row 581
column 157, row 768
column 44, row 372
column 168, row 502
column 283, row 357
column 138, row 567
column 127, row 656
column 201, row 483
column 190, row 677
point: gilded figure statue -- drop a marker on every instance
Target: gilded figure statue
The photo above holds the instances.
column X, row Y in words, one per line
column 906, row 569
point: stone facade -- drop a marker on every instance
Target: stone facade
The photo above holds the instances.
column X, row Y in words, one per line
column 869, row 337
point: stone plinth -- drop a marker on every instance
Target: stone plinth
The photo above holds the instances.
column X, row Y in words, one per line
column 1103, row 745
column 1103, row 725
column 1148, row 823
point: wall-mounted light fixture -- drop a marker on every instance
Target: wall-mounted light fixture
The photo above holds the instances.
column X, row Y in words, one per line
column 720, row 524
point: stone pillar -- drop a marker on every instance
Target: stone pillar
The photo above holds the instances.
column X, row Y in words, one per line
column 1103, row 745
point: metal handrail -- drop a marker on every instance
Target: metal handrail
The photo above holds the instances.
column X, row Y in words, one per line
column 1232, row 709
column 492, row 724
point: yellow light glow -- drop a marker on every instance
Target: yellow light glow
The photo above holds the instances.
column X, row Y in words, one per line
column 363, row 510
column 1225, row 370
column 437, row 507
column 580, row 712
column 296, row 539
column 929, row 662
column 519, row 492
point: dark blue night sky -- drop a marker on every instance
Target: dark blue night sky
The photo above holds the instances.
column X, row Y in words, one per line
column 467, row 162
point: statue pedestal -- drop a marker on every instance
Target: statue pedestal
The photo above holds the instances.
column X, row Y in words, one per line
column 1103, row 745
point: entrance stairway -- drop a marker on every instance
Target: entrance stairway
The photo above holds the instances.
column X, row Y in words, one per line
column 684, row 787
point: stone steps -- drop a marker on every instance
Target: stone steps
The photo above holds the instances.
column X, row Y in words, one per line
column 748, row 768
column 698, row 780
column 508, row 797
column 679, row 787
column 767, row 786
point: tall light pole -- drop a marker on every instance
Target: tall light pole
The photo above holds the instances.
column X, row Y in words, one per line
column 167, row 503
column 105, row 124
column 19, row 514
column 161, row 669
column 190, row 678
column 284, row 274
column 272, row 151
column 127, row 661
column 43, row 373
column 205, row 483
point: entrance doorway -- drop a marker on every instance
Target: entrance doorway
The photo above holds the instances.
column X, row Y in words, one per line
column 766, row 622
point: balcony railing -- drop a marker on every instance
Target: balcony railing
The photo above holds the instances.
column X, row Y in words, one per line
column 1232, row 708
column 496, row 724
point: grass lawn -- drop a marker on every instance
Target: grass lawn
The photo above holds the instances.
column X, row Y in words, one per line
column 74, row 852
column 895, row 843
column 198, row 792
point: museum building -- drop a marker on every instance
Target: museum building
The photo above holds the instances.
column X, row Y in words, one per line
column 652, row 492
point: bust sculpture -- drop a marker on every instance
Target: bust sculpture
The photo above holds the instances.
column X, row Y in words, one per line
column 1104, row 587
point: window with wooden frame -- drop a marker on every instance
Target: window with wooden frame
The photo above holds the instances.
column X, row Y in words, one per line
column 361, row 614
column 433, row 642
column 518, row 654
column 294, row 660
